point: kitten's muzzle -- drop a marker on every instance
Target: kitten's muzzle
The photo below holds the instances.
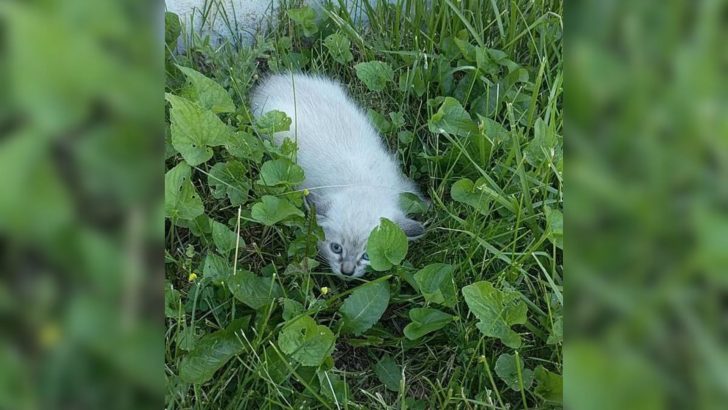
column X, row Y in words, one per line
column 347, row 268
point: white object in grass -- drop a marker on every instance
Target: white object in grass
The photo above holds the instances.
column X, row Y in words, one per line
column 239, row 21
column 352, row 179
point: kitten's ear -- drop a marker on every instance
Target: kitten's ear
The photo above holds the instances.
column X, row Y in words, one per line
column 413, row 229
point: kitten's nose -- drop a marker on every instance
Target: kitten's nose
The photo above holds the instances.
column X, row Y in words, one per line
column 347, row 268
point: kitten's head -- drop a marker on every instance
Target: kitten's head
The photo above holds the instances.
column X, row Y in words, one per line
column 347, row 218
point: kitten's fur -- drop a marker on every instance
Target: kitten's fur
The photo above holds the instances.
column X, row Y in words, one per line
column 353, row 181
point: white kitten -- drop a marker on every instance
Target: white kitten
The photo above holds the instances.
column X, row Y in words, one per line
column 352, row 179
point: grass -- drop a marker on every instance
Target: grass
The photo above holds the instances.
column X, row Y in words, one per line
column 504, row 231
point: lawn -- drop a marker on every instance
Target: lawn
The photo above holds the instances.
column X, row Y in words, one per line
column 468, row 94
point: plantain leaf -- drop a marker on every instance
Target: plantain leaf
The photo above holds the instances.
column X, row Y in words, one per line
column 470, row 193
column 505, row 368
column 436, row 284
column 211, row 352
column 181, row 200
column 388, row 372
column 363, row 308
column 280, row 172
column 452, row 118
column 255, row 291
column 387, row 245
column 424, row 321
column 272, row 210
column 306, row 342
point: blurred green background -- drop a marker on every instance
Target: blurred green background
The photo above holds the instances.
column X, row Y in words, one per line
column 647, row 204
column 81, row 222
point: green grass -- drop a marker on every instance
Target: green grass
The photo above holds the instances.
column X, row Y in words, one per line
column 504, row 231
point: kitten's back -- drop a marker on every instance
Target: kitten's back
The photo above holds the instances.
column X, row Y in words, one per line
column 337, row 145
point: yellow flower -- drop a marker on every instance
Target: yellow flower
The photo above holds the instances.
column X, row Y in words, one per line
column 324, row 290
column 306, row 192
column 192, row 277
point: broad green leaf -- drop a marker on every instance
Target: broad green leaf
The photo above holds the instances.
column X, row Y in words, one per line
column 245, row 146
column 374, row 74
column 449, row 48
column 229, row 179
column 224, row 238
column 291, row 309
column 557, row 332
column 405, row 137
column 497, row 311
column 484, row 62
column 543, row 145
column 255, row 291
column 555, row 226
column 493, row 130
column 387, row 245
column 505, row 368
column 333, row 386
column 549, row 385
column 306, row 18
column 498, row 56
column 452, row 118
column 467, row 49
column 436, row 284
column 274, row 365
column 478, row 148
column 424, row 321
column 309, row 374
column 280, row 172
column 388, row 372
column 518, row 75
column 186, row 338
column 199, row 226
column 306, row 342
column 363, row 308
column 284, row 43
column 209, row 94
column 287, row 149
column 272, row 210
column 411, row 204
column 272, row 122
column 172, row 29
column 413, row 79
column 303, row 267
column 397, row 119
column 380, row 121
column 339, row 48
column 172, row 302
column 194, row 130
column 181, row 200
column 470, row 193
column 365, row 341
column 211, row 352
column 216, row 268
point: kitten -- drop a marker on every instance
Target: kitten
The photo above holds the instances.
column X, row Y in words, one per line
column 352, row 179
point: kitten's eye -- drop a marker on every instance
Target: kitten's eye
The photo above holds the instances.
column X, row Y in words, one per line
column 335, row 247
column 365, row 256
